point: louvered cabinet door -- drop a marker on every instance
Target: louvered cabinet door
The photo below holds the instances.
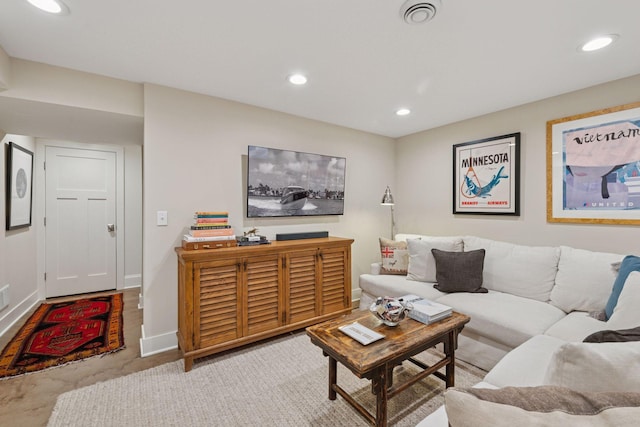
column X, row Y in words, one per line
column 262, row 278
column 301, row 284
column 335, row 267
column 217, row 308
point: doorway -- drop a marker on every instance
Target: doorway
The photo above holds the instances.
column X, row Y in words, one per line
column 83, row 224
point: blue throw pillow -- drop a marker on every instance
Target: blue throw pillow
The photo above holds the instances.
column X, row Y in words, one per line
column 629, row 263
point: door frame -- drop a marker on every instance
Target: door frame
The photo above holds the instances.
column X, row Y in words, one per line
column 40, row 201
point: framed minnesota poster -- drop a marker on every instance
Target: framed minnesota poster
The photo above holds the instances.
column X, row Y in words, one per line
column 593, row 167
column 486, row 176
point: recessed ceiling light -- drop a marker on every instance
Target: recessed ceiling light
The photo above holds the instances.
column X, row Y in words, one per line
column 403, row 112
column 598, row 43
column 297, row 79
column 51, row 6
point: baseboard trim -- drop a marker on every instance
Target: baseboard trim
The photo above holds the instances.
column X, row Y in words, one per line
column 132, row 281
column 16, row 313
column 158, row 343
column 355, row 296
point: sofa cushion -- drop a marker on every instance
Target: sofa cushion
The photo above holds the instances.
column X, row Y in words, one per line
column 505, row 318
column 396, row 286
column 438, row 418
column 525, row 365
column 459, row 271
column 395, row 257
column 596, row 366
column 576, row 326
column 629, row 263
column 584, row 279
column 422, row 265
column 540, row 406
column 526, row 271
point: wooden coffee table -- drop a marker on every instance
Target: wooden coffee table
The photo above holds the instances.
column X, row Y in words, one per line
column 376, row 361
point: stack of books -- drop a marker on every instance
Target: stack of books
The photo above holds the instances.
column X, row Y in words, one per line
column 210, row 230
column 424, row 310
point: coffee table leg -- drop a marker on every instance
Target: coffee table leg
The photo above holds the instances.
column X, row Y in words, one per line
column 380, row 385
column 333, row 377
column 449, row 350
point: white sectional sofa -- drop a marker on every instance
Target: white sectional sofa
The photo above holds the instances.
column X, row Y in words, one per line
column 532, row 290
column 527, row 330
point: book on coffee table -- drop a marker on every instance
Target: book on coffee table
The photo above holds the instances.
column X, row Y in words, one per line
column 426, row 311
column 360, row 333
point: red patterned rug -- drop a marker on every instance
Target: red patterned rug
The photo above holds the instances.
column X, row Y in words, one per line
column 64, row 332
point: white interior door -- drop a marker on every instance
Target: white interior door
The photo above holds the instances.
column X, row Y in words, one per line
column 80, row 218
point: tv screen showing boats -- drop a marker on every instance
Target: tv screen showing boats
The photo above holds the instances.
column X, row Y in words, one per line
column 292, row 183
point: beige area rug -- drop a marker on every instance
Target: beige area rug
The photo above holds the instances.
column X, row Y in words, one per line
column 282, row 382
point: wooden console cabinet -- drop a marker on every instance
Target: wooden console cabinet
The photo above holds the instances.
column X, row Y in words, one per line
column 229, row 297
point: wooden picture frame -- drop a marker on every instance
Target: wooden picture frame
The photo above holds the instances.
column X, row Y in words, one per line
column 593, row 167
column 486, row 176
column 19, row 186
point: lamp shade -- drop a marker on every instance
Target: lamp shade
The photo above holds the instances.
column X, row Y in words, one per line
column 387, row 198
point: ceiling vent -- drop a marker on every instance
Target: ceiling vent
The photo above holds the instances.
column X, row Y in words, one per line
column 418, row 12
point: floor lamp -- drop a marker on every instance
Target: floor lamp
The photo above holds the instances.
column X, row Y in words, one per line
column 387, row 200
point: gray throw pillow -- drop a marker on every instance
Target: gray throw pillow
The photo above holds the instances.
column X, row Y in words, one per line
column 623, row 335
column 459, row 271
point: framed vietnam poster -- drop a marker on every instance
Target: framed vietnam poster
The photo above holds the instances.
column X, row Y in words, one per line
column 486, row 176
column 593, row 167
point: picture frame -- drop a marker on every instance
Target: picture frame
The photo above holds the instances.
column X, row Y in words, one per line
column 486, row 176
column 19, row 187
column 287, row 183
column 593, row 167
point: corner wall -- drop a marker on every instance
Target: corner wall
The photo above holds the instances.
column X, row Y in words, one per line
column 424, row 175
column 195, row 150
column 18, row 264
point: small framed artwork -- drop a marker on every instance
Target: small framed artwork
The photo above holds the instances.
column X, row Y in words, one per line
column 593, row 167
column 486, row 176
column 19, row 186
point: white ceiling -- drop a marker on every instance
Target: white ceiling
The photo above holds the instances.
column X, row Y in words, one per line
column 362, row 60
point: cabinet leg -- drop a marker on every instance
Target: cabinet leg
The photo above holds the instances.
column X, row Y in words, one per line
column 188, row 363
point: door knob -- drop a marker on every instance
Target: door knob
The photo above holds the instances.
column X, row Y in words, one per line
column 111, row 228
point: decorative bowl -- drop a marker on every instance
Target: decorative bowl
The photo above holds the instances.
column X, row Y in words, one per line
column 390, row 310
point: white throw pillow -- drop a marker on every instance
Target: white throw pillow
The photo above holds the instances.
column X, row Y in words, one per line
column 584, row 279
column 627, row 312
column 525, row 271
column 611, row 366
column 422, row 264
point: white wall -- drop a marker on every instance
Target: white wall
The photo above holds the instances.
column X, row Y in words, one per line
column 424, row 175
column 5, row 69
column 71, row 88
column 17, row 251
column 133, row 215
column 195, row 159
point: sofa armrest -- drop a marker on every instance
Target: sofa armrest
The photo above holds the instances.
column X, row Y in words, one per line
column 375, row 268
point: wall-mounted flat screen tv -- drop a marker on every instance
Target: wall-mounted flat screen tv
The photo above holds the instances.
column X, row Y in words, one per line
column 291, row 183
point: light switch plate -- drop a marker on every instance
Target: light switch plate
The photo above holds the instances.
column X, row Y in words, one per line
column 162, row 218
